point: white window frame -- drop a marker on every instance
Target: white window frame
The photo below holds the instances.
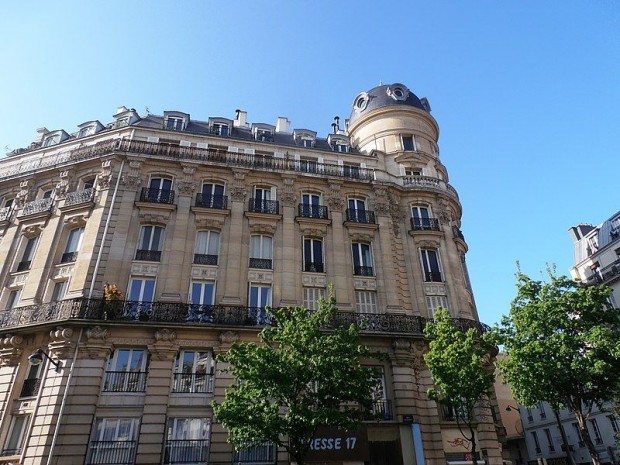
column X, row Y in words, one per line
column 261, row 246
column 12, row 299
column 100, row 428
column 150, row 246
column 143, row 280
column 74, row 245
column 426, row 264
column 433, row 302
column 312, row 259
column 178, row 123
column 413, row 141
column 209, row 244
column 216, row 128
column 59, row 290
column 86, row 131
column 203, row 287
column 311, row 296
column 17, row 437
column 357, row 250
column 261, row 290
column 200, row 373
column 366, row 302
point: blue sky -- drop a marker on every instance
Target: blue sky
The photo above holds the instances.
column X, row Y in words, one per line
column 527, row 93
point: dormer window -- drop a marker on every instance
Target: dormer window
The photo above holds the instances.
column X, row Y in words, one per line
column 304, row 137
column 51, row 140
column 176, row 124
column 87, row 131
column 121, row 122
column 219, row 129
column 307, row 143
column 339, row 143
column 264, row 135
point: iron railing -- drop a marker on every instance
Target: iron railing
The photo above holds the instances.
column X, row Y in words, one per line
column 433, row 277
column 111, row 453
column 363, row 271
column 189, row 451
column 78, row 197
column 261, row 263
column 148, row 255
column 219, row 202
column 205, row 259
column 263, row 454
column 68, row 257
column 5, row 213
column 191, row 314
column 307, row 210
column 355, row 215
column 314, row 267
column 148, row 194
column 24, row 266
column 425, row 224
column 30, row 388
column 192, row 382
column 125, row 381
column 380, row 410
column 271, row 207
column 37, row 206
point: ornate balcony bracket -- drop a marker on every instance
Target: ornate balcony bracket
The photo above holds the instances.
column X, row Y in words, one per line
column 11, row 348
column 165, row 346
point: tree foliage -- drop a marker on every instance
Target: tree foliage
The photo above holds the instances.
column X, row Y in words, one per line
column 298, row 378
column 459, row 366
column 562, row 345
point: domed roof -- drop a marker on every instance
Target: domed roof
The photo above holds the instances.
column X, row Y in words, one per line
column 384, row 96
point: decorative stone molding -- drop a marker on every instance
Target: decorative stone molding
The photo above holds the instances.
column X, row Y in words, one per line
column 288, row 196
column 104, row 179
column 395, row 213
column 165, row 335
column 214, row 223
column 262, row 225
column 26, row 192
column 435, row 289
column 61, row 343
column 144, row 269
column 357, row 236
column 382, row 204
column 204, row 272
column 130, row 341
column 260, row 276
column 365, row 284
column 229, row 337
column 313, row 229
column 32, row 230
column 65, row 184
column 132, row 180
column 17, row 281
column 314, row 280
column 158, row 217
column 238, row 190
column 444, row 212
column 11, row 348
column 96, row 346
column 187, row 185
column 429, row 243
column 97, row 334
column 334, row 197
column 76, row 221
column 64, row 270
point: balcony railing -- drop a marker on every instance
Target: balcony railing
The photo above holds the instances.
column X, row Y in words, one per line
column 125, row 381
column 363, row 271
column 380, row 410
column 610, row 271
column 37, row 206
column 78, row 197
column 111, row 453
column 307, row 210
column 68, row 257
column 205, row 259
column 264, row 454
column 148, row 255
column 360, row 216
column 24, row 266
column 261, row 263
column 192, row 382
column 433, row 277
column 5, row 213
column 219, row 202
column 189, row 451
column 30, row 388
column 425, row 224
column 271, row 207
column 314, row 267
column 157, row 195
column 424, row 181
column 191, row 314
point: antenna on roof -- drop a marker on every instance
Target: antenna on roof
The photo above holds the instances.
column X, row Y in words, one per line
column 148, row 112
column 337, row 123
column 380, row 82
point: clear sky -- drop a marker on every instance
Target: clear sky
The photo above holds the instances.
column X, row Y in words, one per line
column 526, row 93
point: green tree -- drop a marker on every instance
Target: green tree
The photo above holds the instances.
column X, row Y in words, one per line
column 460, row 369
column 562, row 345
column 299, row 377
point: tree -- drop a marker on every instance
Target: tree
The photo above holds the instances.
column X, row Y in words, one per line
column 459, row 366
column 300, row 377
column 562, row 345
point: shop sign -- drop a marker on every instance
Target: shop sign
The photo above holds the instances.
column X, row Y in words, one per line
column 333, row 444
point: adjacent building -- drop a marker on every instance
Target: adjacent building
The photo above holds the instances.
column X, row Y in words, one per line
column 135, row 251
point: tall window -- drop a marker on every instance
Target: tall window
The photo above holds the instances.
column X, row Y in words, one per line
column 73, row 245
column 140, row 296
column 187, row 441
column 159, row 191
column 207, row 247
column 380, row 407
column 261, row 251
column 59, row 291
column 408, row 142
column 613, row 421
column 150, row 243
column 220, row 129
column 549, row 440
column 362, row 259
column 13, row 299
column 433, row 302
column 431, row 265
column 264, row 201
column 202, row 297
column 598, row 439
column 176, row 124
column 17, row 434
column 260, row 295
column 357, row 213
column 28, row 254
column 536, row 443
column 193, row 372
column 422, row 219
column 126, row 371
column 580, row 442
column 311, row 296
column 262, row 454
column 32, row 383
column 313, row 255
column 113, row 440
column 212, row 196
column 311, row 207
column 541, row 409
column 366, row 301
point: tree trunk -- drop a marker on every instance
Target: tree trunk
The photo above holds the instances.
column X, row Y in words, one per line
column 587, row 439
column 569, row 455
column 474, row 459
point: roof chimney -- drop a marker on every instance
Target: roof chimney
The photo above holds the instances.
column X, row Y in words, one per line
column 41, row 135
column 121, row 109
column 241, row 119
column 282, row 125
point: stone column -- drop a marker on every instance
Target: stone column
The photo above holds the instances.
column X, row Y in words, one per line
column 340, row 267
column 288, row 251
column 234, row 273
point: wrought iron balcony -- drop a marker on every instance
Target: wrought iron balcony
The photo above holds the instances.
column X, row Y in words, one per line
column 458, row 234
column 192, row 382
column 314, row 267
column 38, row 206
column 157, row 195
column 425, row 224
column 307, row 210
column 148, row 255
column 5, row 213
column 78, row 197
column 205, row 259
column 264, row 454
column 111, row 453
column 30, row 388
column 380, row 410
column 219, row 202
column 125, row 381
column 271, row 207
column 68, row 257
column 433, row 277
column 424, row 181
column 363, row 271
column 24, row 266
column 261, row 263
column 188, row 451
column 355, row 215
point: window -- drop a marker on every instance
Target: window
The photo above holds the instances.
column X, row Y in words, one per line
column 87, row 131
column 260, row 295
column 366, row 301
column 536, row 443
column 580, row 442
column 32, row 383
column 422, row 219
column 313, row 255
column 541, row 409
column 613, row 421
column 212, row 196
column 262, row 201
column 201, row 298
column 47, row 194
column 311, row 207
column 150, row 243
column 28, row 255
column 220, row 129
column 413, row 172
column 51, row 140
column 598, row 439
column 380, row 407
column 193, row 372
column 159, row 191
column 549, row 440
column 73, row 245
column 113, row 440
column 176, row 124
column 408, row 143
column 431, row 265
column 187, row 441
column 308, row 165
column 264, row 135
column 16, row 436
column 435, row 301
column 59, row 291
column 351, row 171
column 362, row 259
column 207, row 247
column 13, row 299
column 140, row 296
column 311, row 297
column 256, row 455
column 341, row 146
column 357, row 213
column 126, row 371
column 261, row 252
column 307, row 143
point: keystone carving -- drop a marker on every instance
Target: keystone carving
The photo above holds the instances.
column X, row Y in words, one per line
column 61, row 344
column 131, row 179
column 165, row 335
column 288, row 197
column 97, row 333
column 104, row 179
column 229, row 337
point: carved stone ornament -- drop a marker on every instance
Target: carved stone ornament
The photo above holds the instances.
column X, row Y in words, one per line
column 132, row 179
column 237, row 193
column 428, row 244
column 10, row 350
column 97, row 333
column 313, row 230
column 395, row 213
column 382, row 203
column 61, row 344
column 186, row 188
column 262, row 228
column 229, row 337
column 76, row 221
column 155, row 217
column 335, row 203
column 288, row 196
column 64, row 185
column 214, row 223
column 360, row 237
column 33, row 230
column 104, row 179
column 165, row 335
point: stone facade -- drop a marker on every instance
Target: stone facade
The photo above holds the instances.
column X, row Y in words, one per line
column 199, row 225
